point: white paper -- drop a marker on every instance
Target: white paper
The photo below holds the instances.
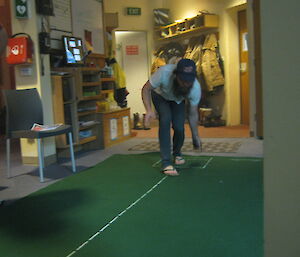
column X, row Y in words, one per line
column 125, row 125
column 113, row 129
column 245, row 41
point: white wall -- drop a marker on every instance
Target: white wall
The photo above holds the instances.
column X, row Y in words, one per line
column 281, row 94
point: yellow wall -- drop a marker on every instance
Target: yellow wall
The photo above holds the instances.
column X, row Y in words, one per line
column 189, row 8
column 42, row 83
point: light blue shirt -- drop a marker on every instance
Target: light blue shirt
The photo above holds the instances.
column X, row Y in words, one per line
column 162, row 83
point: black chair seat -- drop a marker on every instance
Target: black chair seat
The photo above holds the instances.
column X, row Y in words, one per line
column 63, row 129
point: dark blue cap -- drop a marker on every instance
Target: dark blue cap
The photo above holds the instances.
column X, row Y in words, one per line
column 186, row 70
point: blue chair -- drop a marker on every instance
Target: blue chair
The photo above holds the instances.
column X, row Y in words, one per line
column 23, row 109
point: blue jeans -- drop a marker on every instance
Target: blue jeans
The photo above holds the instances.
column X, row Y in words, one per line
column 169, row 112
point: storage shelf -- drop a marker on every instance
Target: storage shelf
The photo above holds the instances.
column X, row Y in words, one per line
column 107, row 79
column 88, row 98
column 90, row 69
column 80, row 114
column 87, row 127
column 87, row 140
column 91, row 84
column 69, row 102
column 182, row 33
column 107, row 91
column 197, row 24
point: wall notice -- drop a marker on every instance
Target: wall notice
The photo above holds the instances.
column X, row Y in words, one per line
column 132, row 50
column 113, row 129
column 125, row 126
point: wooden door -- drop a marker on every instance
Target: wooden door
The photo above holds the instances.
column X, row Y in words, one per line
column 244, row 74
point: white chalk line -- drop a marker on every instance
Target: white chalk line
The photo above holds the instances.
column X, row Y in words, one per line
column 208, row 161
column 115, row 218
column 154, row 164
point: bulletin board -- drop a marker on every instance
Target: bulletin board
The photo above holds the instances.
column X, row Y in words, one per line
column 77, row 18
column 61, row 22
column 87, row 15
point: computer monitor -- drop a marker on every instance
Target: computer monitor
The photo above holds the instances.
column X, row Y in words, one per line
column 73, row 50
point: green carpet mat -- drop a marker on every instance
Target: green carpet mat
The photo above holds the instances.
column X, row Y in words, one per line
column 125, row 207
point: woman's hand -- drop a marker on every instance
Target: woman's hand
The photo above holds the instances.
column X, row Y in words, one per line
column 149, row 116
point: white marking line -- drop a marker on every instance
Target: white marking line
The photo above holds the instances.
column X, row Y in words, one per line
column 153, row 165
column 115, row 218
column 209, row 160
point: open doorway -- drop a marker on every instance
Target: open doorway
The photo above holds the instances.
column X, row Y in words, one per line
column 132, row 55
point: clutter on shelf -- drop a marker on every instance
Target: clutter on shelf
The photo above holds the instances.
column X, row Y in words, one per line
column 201, row 22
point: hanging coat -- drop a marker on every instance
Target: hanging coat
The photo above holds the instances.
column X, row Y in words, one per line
column 194, row 53
column 157, row 63
column 210, row 63
column 119, row 75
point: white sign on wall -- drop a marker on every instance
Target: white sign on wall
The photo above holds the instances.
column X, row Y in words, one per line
column 125, row 125
column 113, row 129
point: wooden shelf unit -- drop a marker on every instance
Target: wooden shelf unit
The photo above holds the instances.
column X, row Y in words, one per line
column 87, row 91
column 87, row 140
column 86, row 86
column 116, row 126
column 105, row 79
column 199, row 23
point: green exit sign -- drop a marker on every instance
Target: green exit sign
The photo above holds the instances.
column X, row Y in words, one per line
column 134, row 11
column 21, row 9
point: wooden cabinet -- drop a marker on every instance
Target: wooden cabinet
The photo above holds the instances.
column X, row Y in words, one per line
column 116, row 126
column 199, row 23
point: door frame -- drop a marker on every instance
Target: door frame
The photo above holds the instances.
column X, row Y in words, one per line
column 244, row 75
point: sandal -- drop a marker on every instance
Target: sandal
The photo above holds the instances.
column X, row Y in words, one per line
column 170, row 171
column 179, row 160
